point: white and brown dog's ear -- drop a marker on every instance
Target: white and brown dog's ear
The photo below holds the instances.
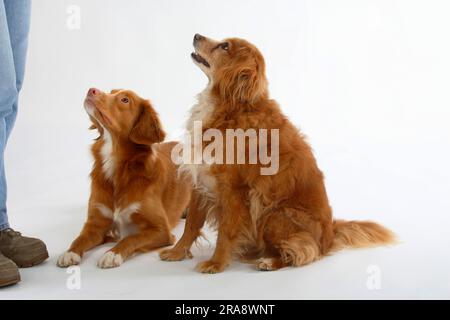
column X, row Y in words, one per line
column 243, row 81
column 147, row 128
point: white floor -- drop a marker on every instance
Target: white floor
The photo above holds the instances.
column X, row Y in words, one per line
column 47, row 198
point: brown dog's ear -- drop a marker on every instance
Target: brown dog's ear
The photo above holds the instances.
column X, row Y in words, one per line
column 147, row 128
column 242, row 82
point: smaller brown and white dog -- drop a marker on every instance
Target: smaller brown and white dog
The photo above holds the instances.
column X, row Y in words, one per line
column 137, row 197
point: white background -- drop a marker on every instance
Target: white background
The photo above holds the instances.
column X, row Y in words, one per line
column 367, row 81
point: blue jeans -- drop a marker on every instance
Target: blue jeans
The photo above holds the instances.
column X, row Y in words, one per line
column 14, row 26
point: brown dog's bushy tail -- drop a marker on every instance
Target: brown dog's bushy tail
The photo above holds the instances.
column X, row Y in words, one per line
column 360, row 234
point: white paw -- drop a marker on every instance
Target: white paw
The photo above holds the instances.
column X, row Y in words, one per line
column 110, row 260
column 265, row 264
column 68, row 258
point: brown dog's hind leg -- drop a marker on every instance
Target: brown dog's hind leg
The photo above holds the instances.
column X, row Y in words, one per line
column 298, row 250
column 289, row 243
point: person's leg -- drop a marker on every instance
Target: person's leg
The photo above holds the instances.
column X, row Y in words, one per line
column 4, row 224
column 8, row 96
column 14, row 24
column 15, row 249
column 18, row 16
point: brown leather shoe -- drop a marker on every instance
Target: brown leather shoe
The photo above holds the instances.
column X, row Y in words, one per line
column 9, row 273
column 23, row 251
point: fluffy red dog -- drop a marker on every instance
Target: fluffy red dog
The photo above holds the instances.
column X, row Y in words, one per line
column 137, row 196
column 276, row 220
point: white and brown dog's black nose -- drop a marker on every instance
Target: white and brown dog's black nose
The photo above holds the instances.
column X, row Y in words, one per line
column 198, row 37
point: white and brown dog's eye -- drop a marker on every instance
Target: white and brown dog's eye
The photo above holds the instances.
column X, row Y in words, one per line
column 125, row 100
column 225, row 46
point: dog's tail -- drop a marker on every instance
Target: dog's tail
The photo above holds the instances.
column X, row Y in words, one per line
column 360, row 234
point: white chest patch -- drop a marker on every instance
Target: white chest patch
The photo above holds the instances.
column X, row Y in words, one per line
column 123, row 226
column 108, row 163
column 201, row 111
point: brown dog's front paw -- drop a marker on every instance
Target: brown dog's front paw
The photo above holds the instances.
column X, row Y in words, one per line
column 68, row 259
column 175, row 254
column 266, row 264
column 210, row 267
column 110, row 260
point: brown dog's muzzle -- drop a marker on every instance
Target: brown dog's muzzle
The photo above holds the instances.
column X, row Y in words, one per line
column 197, row 57
column 197, row 38
column 93, row 94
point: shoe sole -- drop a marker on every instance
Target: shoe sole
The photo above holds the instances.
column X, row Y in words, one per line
column 35, row 261
column 9, row 282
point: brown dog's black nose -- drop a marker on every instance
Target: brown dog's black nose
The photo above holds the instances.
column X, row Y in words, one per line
column 198, row 37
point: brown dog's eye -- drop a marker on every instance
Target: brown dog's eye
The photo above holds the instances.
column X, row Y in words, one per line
column 224, row 46
column 125, row 100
